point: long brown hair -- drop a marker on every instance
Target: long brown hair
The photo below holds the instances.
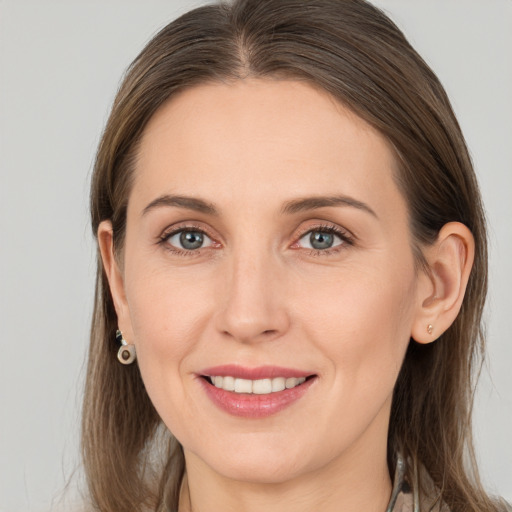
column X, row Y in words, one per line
column 353, row 51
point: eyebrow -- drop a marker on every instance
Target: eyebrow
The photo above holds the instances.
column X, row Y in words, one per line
column 289, row 208
column 313, row 203
column 190, row 203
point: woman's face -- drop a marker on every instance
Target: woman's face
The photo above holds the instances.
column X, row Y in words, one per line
column 267, row 240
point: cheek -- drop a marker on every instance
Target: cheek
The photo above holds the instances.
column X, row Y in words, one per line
column 166, row 318
column 362, row 323
column 170, row 312
column 166, row 306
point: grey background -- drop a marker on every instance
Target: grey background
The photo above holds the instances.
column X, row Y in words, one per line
column 60, row 64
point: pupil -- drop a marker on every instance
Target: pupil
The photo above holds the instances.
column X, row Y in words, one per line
column 191, row 239
column 321, row 240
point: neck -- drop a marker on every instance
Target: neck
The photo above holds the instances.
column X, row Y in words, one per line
column 353, row 482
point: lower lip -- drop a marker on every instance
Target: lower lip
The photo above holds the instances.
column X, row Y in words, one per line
column 255, row 406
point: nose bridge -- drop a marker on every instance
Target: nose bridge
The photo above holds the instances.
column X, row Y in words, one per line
column 253, row 308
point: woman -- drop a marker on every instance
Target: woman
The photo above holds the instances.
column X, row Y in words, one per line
column 292, row 272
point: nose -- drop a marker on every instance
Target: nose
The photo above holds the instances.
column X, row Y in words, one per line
column 253, row 308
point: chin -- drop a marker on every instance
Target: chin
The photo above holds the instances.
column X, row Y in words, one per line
column 267, row 471
column 261, row 461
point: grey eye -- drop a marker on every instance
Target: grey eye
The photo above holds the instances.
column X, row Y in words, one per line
column 189, row 240
column 320, row 240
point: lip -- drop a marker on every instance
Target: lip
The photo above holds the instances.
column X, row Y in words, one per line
column 253, row 405
column 260, row 372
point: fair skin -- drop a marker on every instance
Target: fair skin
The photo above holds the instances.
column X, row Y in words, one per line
column 258, row 289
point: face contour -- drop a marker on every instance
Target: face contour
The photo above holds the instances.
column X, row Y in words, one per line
column 266, row 240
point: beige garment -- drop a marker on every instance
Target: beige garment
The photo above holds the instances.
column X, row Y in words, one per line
column 405, row 496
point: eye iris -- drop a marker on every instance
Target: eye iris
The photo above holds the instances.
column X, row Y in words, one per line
column 320, row 240
column 191, row 239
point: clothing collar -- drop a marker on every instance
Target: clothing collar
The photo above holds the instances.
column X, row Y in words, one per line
column 405, row 496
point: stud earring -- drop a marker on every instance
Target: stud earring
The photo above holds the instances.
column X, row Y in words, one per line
column 126, row 353
column 430, row 328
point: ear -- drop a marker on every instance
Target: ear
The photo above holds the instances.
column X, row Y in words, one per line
column 115, row 277
column 442, row 286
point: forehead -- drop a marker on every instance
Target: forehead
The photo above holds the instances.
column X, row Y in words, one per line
column 258, row 139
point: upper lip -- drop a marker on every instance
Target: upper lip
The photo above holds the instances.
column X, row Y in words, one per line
column 259, row 372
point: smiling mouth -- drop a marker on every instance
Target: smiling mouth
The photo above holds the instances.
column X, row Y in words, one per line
column 255, row 393
column 256, row 387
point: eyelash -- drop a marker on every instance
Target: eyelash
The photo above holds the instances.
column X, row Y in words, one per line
column 346, row 239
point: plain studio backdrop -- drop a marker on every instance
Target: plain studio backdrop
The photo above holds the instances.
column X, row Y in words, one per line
column 60, row 65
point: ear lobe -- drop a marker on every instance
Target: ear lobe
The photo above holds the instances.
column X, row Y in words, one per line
column 114, row 274
column 441, row 289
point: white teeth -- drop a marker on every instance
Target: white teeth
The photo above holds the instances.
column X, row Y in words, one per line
column 228, row 384
column 262, row 387
column 257, row 387
column 243, row 386
column 278, row 384
column 291, row 382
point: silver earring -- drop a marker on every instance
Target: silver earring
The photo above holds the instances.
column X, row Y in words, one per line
column 126, row 353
